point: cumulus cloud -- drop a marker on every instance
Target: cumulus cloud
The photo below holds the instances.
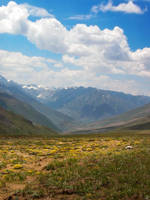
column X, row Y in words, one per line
column 95, row 54
column 129, row 7
column 48, row 33
column 36, row 11
column 13, row 19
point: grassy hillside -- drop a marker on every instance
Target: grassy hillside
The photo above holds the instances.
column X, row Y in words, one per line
column 8, row 102
column 12, row 124
column 135, row 119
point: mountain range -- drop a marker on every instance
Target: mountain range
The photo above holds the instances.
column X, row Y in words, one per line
column 86, row 104
column 68, row 109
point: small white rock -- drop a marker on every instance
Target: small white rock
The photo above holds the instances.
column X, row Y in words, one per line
column 128, row 147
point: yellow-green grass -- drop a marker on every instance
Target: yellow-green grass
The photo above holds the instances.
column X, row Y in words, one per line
column 76, row 167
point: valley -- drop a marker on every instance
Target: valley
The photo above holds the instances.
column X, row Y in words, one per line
column 137, row 119
column 54, row 154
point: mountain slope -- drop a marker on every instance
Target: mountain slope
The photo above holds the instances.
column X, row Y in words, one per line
column 8, row 102
column 62, row 121
column 12, row 124
column 137, row 119
column 88, row 104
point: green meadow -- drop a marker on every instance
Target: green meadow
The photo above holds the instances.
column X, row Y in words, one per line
column 86, row 167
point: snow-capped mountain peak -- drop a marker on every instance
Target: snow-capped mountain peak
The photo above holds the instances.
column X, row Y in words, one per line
column 29, row 87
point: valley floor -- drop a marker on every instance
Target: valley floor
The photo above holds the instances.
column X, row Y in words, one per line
column 87, row 167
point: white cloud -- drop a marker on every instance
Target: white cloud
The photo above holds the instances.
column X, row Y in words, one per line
column 129, row 7
column 36, row 11
column 13, row 19
column 18, row 63
column 48, row 33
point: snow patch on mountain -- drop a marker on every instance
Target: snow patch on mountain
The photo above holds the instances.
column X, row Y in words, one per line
column 40, row 96
column 29, row 87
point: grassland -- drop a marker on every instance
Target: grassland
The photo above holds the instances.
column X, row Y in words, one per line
column 87, row 167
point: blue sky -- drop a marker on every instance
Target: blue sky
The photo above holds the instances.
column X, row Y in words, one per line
column 103, row 44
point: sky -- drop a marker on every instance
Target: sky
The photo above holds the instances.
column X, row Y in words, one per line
column 66, row 43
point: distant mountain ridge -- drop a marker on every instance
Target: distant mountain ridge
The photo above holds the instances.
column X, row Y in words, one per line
column 137, row 119
column 87, row 104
